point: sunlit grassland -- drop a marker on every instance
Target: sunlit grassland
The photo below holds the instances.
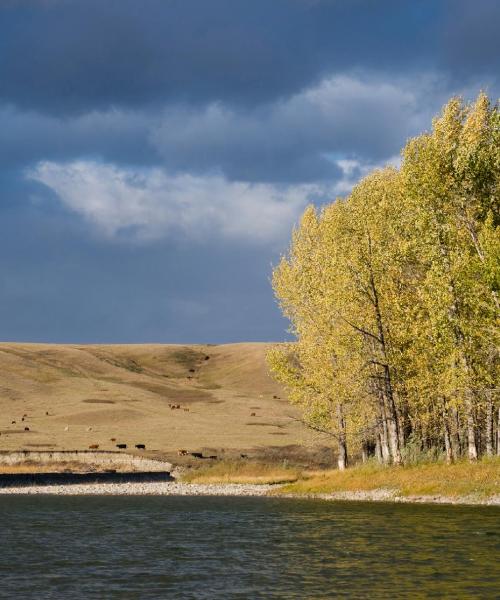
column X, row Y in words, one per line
column 462, row 479
column 242, row 472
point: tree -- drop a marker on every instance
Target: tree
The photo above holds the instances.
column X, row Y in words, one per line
column 392, row 295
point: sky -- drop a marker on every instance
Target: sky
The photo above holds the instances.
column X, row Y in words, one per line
column 156, row 154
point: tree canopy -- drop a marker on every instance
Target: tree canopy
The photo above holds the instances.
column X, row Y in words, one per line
column 393, row 297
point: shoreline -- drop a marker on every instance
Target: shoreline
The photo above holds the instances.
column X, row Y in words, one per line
column 173, row 488
column 163, row 488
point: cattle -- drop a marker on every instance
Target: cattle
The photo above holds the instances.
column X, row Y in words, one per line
column 253, row 414
column 26, row 429
column 276, row 397
column 191, row 370
column 121, row 446
column 46, row 413
column 185, row 409
column 22, row 419
column 243, row 455
column 196, row 454
column 93, row 446
column 25, row 415
column 182, row 452
column 140, row 446
column 207, row 357
column 174, row 406
column 13, row 423
column 112, row 440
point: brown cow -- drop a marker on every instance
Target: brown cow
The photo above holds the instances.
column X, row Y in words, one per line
column 93, row 446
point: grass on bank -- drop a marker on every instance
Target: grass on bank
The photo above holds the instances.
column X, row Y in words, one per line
column 481, row 479
column 241, row 472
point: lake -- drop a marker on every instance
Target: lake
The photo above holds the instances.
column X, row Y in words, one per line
column 207, row 547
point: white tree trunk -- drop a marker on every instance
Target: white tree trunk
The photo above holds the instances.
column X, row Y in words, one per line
column 489, row 426
column 342, row 457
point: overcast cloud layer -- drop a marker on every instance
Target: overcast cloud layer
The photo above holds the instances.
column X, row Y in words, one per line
column 154, row 156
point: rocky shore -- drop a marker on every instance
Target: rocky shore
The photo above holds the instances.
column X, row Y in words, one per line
column 173, row 488
column 163, row 488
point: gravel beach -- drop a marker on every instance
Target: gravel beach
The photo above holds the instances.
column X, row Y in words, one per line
column 172, row 488
column 166, row 488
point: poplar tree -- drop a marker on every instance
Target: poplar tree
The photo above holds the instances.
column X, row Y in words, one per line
column 393, row 297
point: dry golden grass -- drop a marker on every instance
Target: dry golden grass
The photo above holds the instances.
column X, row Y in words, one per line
column 241, row 472
column 481, row 479
column 93, row 393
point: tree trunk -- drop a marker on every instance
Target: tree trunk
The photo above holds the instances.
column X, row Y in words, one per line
column 384, row 433
column 388, row 392
column 463, row 362
column 489, row 426
column 447, row 437
column 378, row 449
column 456, row 437
column 364, row 452
column 393, row 429
column 342, row 456
column 401, row 428
column 471, row 434
column 498, row 432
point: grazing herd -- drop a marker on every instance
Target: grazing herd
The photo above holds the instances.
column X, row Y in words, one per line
column 120, row 446
column 92, row 446
column 178, row 407
column 195, row 454
column 123, row 446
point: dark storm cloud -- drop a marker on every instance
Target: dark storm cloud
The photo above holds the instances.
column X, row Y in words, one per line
column 78, row 55
column 470, row 42
column 28, row 137
column 290, row 140
column 154, row 154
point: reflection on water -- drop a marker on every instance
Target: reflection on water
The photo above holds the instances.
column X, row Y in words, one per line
column 193, row 547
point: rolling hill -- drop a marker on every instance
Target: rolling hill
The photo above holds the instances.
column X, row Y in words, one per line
column 67, row 397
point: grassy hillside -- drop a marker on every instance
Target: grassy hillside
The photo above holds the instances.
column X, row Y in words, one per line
column 75, row 396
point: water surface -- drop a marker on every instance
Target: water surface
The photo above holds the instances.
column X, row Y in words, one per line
column 206, row 547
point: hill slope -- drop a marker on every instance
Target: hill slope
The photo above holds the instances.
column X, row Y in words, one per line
column 75, row 396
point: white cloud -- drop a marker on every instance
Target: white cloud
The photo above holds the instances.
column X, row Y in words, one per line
column 150, row 204
column 354, row 170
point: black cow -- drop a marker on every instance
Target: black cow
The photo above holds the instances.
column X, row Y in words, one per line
column 140, row 446
column 121, row 446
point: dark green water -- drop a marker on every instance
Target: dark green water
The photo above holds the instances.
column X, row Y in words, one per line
column 194, row 547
